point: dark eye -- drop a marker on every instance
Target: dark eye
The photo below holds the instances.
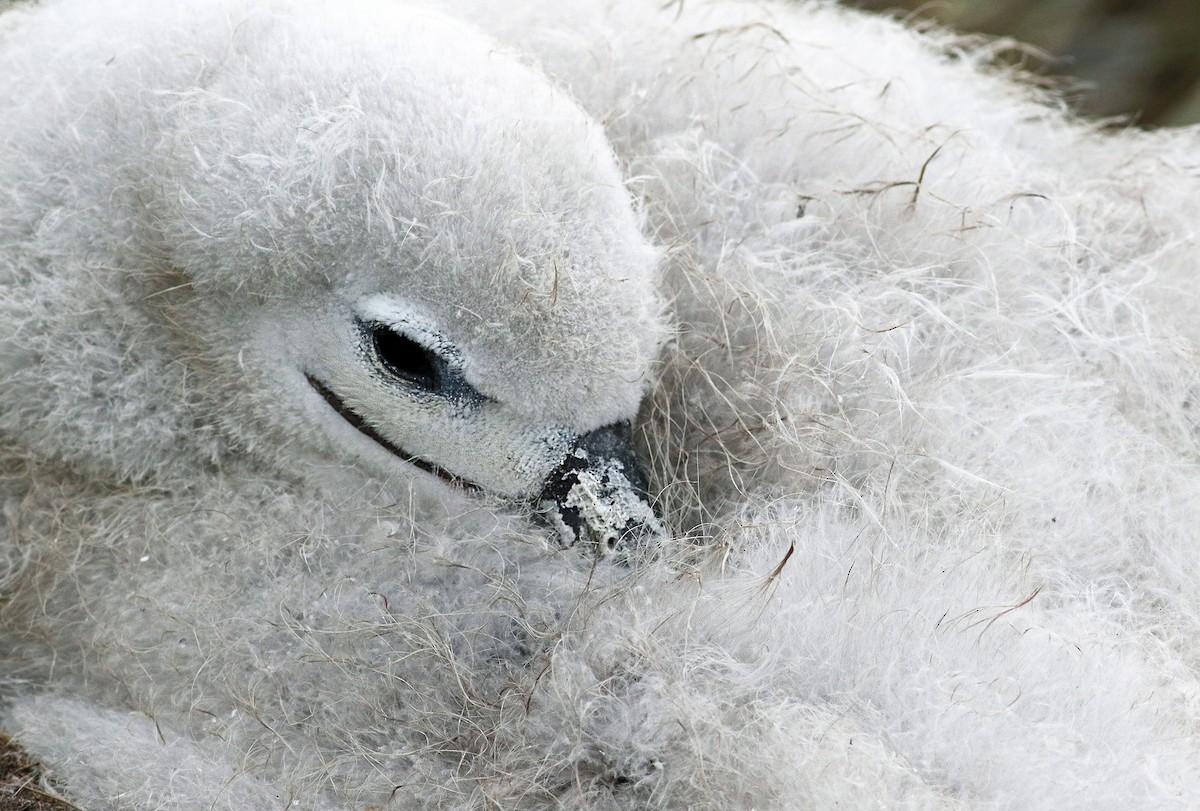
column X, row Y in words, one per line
column 405, row 358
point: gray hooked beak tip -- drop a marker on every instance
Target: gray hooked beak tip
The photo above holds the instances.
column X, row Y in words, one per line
column 597, row 496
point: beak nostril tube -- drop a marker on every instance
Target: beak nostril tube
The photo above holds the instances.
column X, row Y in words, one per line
column 597, row 496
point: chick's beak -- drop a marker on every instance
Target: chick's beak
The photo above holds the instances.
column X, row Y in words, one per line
column 597, row 496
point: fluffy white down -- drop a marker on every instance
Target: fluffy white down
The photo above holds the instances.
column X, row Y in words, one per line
column 926, row 429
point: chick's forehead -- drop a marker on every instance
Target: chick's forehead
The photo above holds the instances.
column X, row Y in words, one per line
column 472, row 187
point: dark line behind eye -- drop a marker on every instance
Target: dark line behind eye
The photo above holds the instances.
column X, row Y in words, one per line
column 355, row 419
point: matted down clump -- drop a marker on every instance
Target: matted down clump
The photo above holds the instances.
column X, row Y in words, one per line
column 600, row 404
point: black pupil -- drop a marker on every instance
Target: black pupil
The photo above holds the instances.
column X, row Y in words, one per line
column 405, row 358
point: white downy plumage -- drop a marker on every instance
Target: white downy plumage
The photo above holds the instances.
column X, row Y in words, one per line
column 922, row 417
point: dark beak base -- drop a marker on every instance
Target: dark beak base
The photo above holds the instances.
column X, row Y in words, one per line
column 598, row 497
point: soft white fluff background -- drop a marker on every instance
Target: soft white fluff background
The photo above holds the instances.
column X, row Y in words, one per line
column 930, row 405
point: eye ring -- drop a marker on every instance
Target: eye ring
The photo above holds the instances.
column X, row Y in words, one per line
column 405, row 359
